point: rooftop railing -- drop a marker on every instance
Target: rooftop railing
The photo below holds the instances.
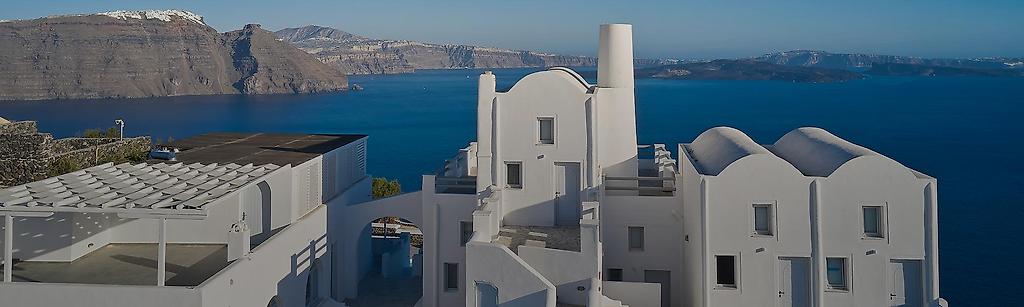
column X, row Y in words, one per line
column 458, row 174
column 656, row 174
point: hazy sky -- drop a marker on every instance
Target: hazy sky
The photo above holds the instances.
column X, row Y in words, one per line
column 676, row 29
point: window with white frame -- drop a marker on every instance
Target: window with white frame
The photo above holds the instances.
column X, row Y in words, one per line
column 545, row 130
column 836, row 271
column 763, row 218
column 636, row 238
column 514, row 175
column 874, row 221
column 726, row 272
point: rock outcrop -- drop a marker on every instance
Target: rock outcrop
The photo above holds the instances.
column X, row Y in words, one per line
column 128, row 54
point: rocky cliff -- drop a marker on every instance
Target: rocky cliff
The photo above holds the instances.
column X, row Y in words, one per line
column 355, row 54
column 129, row 54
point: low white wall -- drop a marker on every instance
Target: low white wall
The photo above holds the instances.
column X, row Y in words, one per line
column 633, row 294
column 42, row 294
column 518, row 284
column 567, row 270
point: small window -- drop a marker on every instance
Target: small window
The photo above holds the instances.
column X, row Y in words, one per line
column 636, row 238
column 451, row 276
column 546, row 129
column 614, row 275
column 836, row 273
column 514, row 175
column 725, row 271
column 873, row 222
column 763, row 219
column 466, row 228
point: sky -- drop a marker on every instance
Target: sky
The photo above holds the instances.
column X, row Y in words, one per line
column 684, row 29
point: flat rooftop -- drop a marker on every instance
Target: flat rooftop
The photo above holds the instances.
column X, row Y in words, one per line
column 258, row 148
column 130, row 264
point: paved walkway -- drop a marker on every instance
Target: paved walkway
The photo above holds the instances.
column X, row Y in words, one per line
column 130, row 264
column 377, row 291
column 562, row 237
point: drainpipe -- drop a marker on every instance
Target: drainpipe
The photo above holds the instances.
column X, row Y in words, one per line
column 816, row 254
column 931, row 253
column 161, row 263
column 8, row 247
column 705, row 277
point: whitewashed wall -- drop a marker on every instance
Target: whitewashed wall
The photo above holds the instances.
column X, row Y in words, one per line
column 40, row 294
column 728, row 205
column 662, row 219
column 551, row 93
column 871, row 181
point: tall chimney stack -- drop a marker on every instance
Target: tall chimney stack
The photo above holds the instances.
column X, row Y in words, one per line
column 615, row 56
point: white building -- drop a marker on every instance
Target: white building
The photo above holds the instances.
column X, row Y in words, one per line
column 555, row 204
column 568, row 210
column 240, row 220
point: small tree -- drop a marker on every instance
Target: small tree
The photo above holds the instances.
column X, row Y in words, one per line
column 383, row 188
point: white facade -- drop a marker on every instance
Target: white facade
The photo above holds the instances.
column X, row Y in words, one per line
column 732, row 223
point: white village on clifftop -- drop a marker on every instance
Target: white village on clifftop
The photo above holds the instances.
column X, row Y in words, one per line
column 555, row 204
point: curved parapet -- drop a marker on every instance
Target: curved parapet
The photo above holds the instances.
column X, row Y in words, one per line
column 717, row 148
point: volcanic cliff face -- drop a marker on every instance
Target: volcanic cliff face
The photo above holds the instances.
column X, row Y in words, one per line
column 360, row 55
column 149, row 54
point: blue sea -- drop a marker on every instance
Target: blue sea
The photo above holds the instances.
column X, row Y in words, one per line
column 965, row 131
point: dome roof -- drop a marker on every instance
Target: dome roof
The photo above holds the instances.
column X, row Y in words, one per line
column 816, row 152
column 717, row 148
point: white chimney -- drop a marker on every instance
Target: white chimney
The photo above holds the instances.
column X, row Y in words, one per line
column 615, row 56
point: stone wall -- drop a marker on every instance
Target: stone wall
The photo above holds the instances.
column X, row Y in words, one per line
column 112, row 151
column 27, row 155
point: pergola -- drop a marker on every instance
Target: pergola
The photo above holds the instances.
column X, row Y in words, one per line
column 145, row 191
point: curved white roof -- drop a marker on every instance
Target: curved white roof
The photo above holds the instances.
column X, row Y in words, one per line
column 816, row 152
column 152, row 189
column 4, row 121
column 719, row 147
column 547, row 76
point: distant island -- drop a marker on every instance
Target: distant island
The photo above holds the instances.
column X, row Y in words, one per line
column 129, row 54
column 823, row 59
column 746, row 70
column 893, row 69
column 356, row 54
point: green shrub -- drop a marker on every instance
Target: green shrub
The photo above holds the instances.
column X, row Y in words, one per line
column 111, row 132
column 383, row 188
column 62, row 166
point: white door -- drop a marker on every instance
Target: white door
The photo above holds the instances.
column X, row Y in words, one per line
column 794, row 282
column 567, row 194
column 906, row 286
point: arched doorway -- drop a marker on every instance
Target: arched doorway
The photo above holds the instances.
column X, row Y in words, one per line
column 391, row 264
column 486, row 295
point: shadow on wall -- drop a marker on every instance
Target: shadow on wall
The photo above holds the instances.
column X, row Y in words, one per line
column 39, row 237
column 299, row 286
